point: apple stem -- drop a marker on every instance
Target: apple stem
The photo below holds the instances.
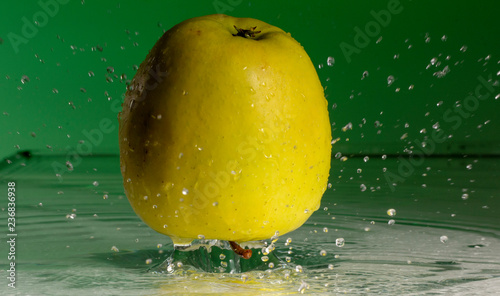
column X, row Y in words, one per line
column 245, row 253
column 246, row 33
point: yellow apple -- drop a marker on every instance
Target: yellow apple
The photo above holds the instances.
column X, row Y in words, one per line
column 225, row 132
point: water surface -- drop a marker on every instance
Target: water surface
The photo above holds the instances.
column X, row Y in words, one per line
column 76, row 233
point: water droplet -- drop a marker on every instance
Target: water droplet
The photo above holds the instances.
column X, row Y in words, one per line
column 264, row 258
column 149, row 261
column 271, row 265
column 330, row 266
column 185, row 191
column 435, row 125
column 95, row 183
column 366, row 158
column 391, row 222
column 362, row 187
column 244, row 277
column 25, row 79
column 442, row 73
column 69, row 165
column 465, row 196
column 110, row 70
column 145, row 197
column 463, row 48
column 469, row 166
column 303, row 287
column 215, row 204
column 165, row 225
column 114, row 249
column 222, row 256
column 340, row 242
column 364, row 75
column 347, row 127
column 330, row 61
column 391, row 212
column 105, row 196
column 223, row 264
column 298, row 268
column 390, row 80
column 443, row 239
column 201, row 236
column 274, row 239
column 322, row 253
column 444, row 38
column 325, row 229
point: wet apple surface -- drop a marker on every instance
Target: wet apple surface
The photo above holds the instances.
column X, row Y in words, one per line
column 225, row 133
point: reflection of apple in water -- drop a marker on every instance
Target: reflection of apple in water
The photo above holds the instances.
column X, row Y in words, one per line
column 225, row 133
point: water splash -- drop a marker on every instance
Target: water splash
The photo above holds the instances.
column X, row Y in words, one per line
column 217, row 256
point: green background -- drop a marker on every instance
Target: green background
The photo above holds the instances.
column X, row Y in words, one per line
column 64, row 110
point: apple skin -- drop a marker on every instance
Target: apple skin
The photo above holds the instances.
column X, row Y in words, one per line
column 224, row 136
